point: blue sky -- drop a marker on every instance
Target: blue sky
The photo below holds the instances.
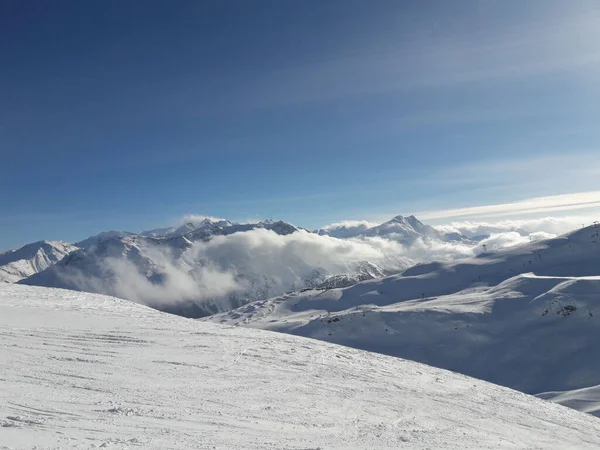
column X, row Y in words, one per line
column 128, row 115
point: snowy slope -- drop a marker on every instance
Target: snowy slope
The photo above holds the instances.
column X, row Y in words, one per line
column 523, row 317
column 83, row 370
column 32, row 258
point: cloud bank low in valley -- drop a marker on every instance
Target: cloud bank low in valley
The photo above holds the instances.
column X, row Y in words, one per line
column 227, row 271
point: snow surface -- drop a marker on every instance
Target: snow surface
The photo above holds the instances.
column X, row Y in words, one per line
column 524, row 317
column 84, row 370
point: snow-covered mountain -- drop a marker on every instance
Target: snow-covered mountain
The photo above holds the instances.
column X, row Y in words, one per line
column 84, row 370
column 401, row 229
column 524, row 317
column 138, row 268
column 158, row 232
column 203, row 224
column 192, row 230
column 214, row 266
column 209, row 265
column 103, row 236
column 208, row 229
column 360, row 272
column 32, row 258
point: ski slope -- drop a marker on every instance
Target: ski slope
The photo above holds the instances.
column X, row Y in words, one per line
column 83, row 370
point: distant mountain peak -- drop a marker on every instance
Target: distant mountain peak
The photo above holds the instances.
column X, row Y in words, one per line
column 412, row 220
column 31, row 259
column 400, row 228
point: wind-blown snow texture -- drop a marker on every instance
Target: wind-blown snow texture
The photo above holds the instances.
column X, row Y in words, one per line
column 82, row 370
column 525, row 317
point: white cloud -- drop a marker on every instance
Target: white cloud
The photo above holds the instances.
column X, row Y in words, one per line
column 578, row 201
column 346, row 228
column 149, row 275
column 501, row 240
column 289, row 260
column 540, row 236
column 350, row 224
column 197, row 218
column 551, row 225
column 424, row 250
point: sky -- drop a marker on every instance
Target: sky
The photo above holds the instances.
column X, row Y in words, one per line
column 130, row 115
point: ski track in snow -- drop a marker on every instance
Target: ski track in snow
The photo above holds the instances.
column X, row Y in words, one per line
column 83, row 370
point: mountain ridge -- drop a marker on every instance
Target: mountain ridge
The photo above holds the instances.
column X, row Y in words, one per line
column 25, row 261
column 95, row 266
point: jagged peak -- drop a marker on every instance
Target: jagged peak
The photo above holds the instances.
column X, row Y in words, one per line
column 405, row 219
column 40, row 244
